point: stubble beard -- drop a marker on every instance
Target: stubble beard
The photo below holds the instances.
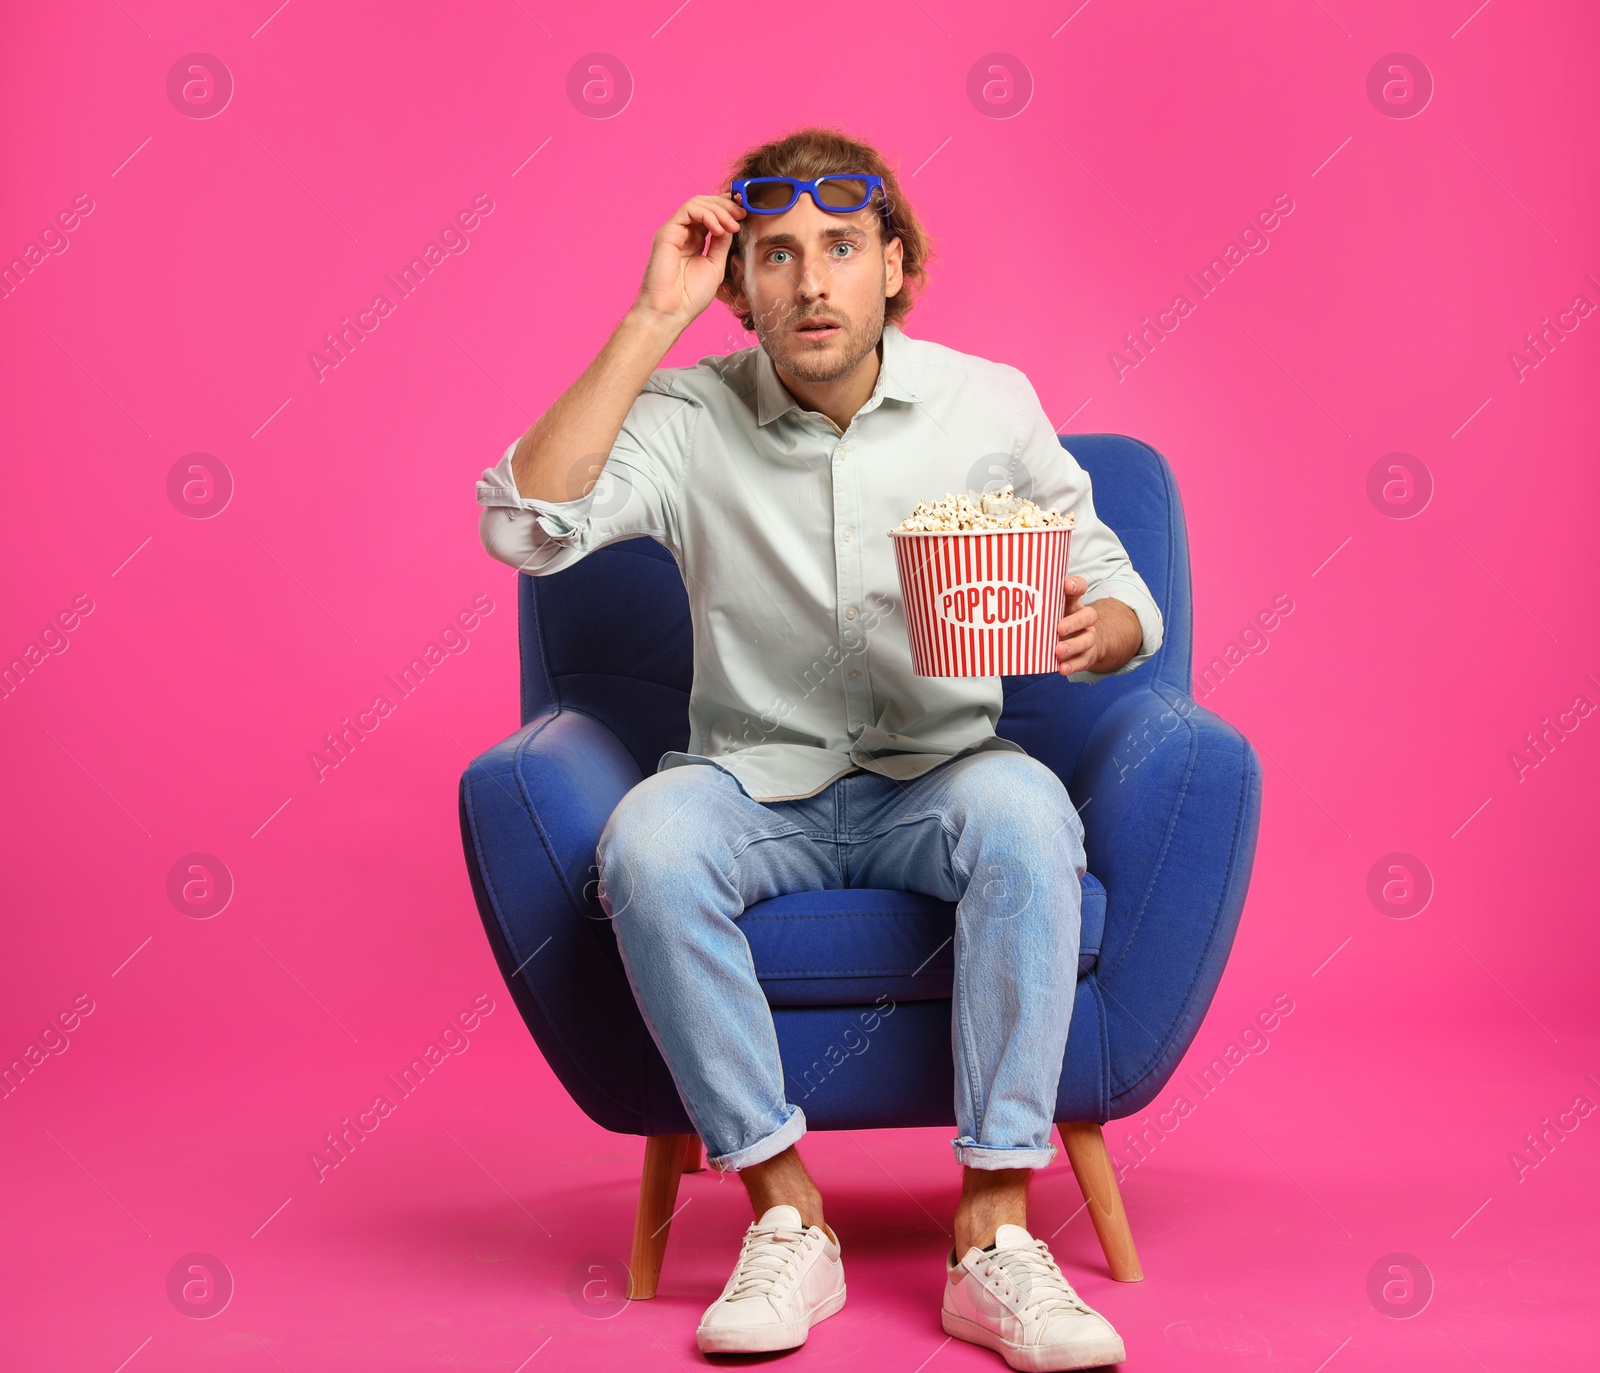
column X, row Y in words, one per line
column 812, row 365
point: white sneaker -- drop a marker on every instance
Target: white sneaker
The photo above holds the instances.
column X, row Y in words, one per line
column 1014, row 1300
column 787, row 1279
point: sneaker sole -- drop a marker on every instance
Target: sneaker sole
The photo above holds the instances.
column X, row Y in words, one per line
column 1034, row 1358
column 767, row 1339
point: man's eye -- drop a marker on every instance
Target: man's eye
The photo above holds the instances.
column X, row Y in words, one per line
column 850, row 246
column 775, row 254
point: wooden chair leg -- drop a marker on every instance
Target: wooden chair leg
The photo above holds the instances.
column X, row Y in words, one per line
column 658, row 1193
column 693, row 1158
column 1091, row 1165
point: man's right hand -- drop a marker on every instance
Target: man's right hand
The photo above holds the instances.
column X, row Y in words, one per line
column 682, row 279
column 561, row 456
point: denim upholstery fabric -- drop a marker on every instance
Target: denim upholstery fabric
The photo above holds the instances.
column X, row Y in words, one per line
column 1170, row 796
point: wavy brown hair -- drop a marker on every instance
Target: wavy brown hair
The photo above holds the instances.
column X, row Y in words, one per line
column 812, row 152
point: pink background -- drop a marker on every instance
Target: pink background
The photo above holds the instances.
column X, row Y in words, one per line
column 180, row 715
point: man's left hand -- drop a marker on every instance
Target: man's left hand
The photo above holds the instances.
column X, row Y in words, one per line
column 1097, row 637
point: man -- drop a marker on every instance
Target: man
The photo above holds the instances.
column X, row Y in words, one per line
column 817, row 757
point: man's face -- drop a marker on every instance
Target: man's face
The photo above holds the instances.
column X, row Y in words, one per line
column 815, row 284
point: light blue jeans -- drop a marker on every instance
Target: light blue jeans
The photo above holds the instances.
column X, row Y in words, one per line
column 687, row 850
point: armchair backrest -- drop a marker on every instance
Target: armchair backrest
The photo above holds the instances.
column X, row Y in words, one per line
column 611, row 636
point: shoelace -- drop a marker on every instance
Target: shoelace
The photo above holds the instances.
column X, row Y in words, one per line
column 1032, row 1271
column 764, row 1259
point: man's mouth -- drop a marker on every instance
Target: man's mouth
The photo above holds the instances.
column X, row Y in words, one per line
column 818, row 329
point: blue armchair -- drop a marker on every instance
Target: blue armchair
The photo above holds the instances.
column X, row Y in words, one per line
column 1170, row 796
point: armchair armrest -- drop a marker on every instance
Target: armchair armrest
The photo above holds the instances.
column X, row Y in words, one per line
column 532, row 809
column 1172, row 806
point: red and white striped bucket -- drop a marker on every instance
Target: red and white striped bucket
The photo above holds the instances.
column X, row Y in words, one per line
column 982, row 602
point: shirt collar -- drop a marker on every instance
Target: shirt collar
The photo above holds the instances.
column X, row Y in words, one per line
column 896, row 378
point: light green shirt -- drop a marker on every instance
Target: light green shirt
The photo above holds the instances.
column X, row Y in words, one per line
column 779, row 524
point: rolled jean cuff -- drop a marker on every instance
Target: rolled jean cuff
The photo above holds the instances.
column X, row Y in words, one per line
column 971, row 1154
column 774, row 1144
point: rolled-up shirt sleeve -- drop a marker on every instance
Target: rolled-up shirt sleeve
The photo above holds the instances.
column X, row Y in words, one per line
column 635, row 493
column 1048, row 474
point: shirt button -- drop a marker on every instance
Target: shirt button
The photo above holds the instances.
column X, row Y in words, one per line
column 848, row 535
column 850, row 612
column 855, row 672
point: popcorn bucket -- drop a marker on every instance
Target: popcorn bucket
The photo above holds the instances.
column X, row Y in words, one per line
column 982, row 602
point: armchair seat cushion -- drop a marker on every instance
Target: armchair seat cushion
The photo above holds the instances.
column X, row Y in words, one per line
column 852, row 945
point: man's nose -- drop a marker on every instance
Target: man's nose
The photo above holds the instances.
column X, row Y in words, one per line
column 815, row 278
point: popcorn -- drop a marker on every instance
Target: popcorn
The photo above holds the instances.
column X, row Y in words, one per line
column 1000, row 509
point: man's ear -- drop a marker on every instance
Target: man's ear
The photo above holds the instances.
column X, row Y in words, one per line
column 731, row 290
column 893, row 275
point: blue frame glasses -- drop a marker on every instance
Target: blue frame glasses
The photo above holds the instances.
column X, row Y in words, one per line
column 838, row 193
